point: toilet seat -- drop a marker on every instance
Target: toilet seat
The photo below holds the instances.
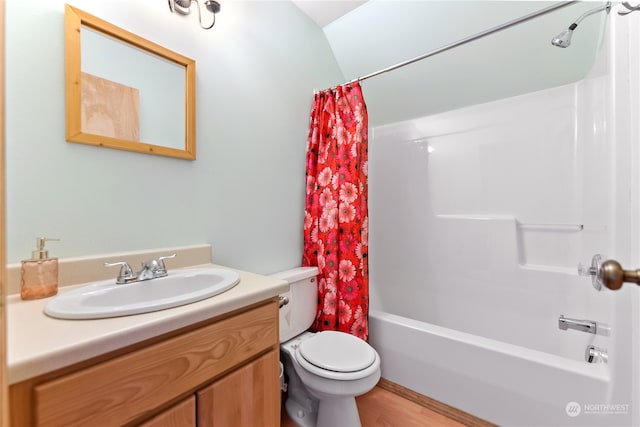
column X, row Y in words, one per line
column 356, row 359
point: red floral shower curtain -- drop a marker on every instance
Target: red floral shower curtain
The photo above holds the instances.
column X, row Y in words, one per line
column 336, row 213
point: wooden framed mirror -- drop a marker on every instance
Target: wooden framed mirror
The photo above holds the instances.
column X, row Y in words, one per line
column 126, row 92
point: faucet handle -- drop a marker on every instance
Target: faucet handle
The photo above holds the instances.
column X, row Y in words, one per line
column 126, row 274
column 595, row 354
column 156, row 266
column 161, row 261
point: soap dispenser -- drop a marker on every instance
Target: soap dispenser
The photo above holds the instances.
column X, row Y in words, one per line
column 39, row 275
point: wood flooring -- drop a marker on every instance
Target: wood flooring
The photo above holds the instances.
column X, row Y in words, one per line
column 383, row 408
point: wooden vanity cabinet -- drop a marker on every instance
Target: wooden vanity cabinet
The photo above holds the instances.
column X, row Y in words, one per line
column 223, row 372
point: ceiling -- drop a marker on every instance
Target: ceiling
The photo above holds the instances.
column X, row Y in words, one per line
column 324, row 12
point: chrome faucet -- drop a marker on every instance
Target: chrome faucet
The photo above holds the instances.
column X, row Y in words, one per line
column 126, row 274
column 589, row 326
column 154, row 268
column 151, row 269
column 595, row 354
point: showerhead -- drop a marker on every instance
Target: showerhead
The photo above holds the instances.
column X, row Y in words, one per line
column 564, row 38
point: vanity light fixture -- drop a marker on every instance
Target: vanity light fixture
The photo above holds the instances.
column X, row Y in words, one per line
column 183, row 7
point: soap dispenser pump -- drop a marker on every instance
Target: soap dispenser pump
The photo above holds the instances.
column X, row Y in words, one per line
column 39, row 275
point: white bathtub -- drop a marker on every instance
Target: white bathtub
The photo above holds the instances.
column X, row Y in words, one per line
column 502, row 383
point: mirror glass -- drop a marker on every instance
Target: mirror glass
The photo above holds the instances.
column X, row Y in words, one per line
column 126, row 92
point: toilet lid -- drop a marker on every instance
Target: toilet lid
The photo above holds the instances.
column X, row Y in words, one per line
column 337, row 351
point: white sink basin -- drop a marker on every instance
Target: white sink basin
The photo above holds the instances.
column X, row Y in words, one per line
column 106, row 299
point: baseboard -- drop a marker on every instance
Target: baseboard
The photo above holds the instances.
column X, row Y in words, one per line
column 433, row 405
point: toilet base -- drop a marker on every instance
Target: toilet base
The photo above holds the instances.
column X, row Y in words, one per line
column 341, row 412
column 300, row 415
column 338, row 412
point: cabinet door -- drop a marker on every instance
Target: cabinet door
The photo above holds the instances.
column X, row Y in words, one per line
column 181, row 415
column 247, row 397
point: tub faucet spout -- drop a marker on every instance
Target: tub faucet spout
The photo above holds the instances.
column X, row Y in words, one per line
column 589, row 326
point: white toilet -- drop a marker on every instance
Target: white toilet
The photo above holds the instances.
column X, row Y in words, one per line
column 325, row 370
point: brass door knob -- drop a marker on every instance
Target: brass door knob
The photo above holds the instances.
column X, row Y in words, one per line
column 608, row 273
column 613, row 275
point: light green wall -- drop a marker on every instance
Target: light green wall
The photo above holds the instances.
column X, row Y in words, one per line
column 256, row 71
column 518, row 60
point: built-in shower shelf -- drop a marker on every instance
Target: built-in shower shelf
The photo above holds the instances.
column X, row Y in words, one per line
column 550, row 269
column 550, row 227
column 525, row 225
column 533, row 246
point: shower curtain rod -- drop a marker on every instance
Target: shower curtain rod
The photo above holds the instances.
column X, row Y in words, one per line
column 467, row 39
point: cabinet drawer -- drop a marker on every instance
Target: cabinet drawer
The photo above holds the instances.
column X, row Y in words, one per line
column 120, row 390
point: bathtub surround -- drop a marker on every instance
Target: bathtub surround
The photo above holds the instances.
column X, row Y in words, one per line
column 336, row 211
column 493, row 207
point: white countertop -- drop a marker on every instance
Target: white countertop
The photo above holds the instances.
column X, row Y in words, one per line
column 37, row 343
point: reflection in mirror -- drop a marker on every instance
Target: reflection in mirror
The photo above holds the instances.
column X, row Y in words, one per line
column 126, row 92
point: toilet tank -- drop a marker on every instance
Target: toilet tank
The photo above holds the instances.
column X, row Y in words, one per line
column 297, row 316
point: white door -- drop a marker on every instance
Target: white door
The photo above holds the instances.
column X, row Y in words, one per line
column 623, row 405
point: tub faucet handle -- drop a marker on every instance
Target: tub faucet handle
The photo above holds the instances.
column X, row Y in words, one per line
column 595, row 354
